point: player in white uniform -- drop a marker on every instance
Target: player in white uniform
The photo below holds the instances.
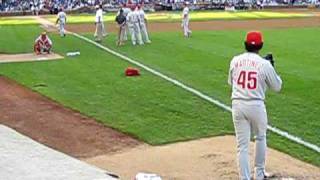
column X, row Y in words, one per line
column 250, row 76
column 133, row 25
column 142, row 24
column 126, row 11
column 185, row 20
column 61, row 19
column 100, row 30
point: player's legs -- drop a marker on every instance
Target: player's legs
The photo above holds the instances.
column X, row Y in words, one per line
column 259, row 122
column 242, row 129
column 188, row 31
column 103, row 30
column 126, row 32
column 61, row 28
column 132, row 33
column 121, row 35
column 37, row 49
column 98, row 33
column 138, row 33
column 144, row 33
column 186, row 28
column 47, row 49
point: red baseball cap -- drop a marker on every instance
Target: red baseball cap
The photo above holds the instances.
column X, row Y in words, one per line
column 254, row 38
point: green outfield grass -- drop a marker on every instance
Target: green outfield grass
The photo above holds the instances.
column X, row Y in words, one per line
column 157, row 112
column 94, row 83
column 16, row 21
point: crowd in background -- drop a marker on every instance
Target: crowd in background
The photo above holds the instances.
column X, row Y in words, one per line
column 53, row 5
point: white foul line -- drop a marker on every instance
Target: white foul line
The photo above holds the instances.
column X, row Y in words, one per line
column 198, row 93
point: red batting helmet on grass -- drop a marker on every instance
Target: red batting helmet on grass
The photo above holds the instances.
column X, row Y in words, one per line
column 130, row 71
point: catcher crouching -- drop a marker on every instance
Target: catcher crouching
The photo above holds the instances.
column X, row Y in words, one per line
column 43, row 44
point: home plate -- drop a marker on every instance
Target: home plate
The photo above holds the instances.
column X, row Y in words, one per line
column 8, row 58
column 24, row 158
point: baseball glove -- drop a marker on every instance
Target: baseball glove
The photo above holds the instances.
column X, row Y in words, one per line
column 269, row 57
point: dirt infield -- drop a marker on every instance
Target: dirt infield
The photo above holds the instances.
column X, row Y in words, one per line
column 8, row 58
column 209, row 158
column 212, row 25
column 56, row 126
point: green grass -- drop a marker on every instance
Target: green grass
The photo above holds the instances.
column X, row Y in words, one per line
column 158, row 112
column 94, row 83
column 18, row 39
column 203, row 61
column 16, row 21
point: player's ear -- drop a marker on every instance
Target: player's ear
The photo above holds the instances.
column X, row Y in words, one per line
column 261, row 45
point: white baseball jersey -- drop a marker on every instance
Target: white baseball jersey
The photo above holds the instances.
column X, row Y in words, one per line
column 250, row 75
column 99, row 16
column 136, row 15
column 132, row 18
column 185, row 13
column 126, row 11
column 62, row 17
column 141, row 16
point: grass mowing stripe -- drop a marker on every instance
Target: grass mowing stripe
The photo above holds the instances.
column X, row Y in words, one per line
column 198, row 93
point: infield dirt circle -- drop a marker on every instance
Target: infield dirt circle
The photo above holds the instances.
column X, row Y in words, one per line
column 68, row 131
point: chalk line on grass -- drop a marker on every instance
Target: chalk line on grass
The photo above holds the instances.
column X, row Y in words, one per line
column 197, row 93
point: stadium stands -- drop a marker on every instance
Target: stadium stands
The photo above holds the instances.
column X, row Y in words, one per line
column 52, row 6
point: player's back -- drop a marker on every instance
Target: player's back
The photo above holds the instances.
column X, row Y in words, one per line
column 126, row 11
column 99, row 15
column 141, row 16
column 185, row 13
column 130, row 18
column 120, row 19
column 250, row 75
column 62, row 17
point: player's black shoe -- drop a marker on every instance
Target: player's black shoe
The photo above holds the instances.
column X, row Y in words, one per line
column 267, row 176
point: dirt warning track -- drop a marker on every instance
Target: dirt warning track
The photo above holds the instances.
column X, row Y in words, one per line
column 211, row 25
column 56, row 126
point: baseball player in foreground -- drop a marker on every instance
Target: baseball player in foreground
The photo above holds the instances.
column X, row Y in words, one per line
column 185, row 21
column 43, row 44
column 100, row 30
column 142, row 24
column 61, row 19
column 250, row 76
